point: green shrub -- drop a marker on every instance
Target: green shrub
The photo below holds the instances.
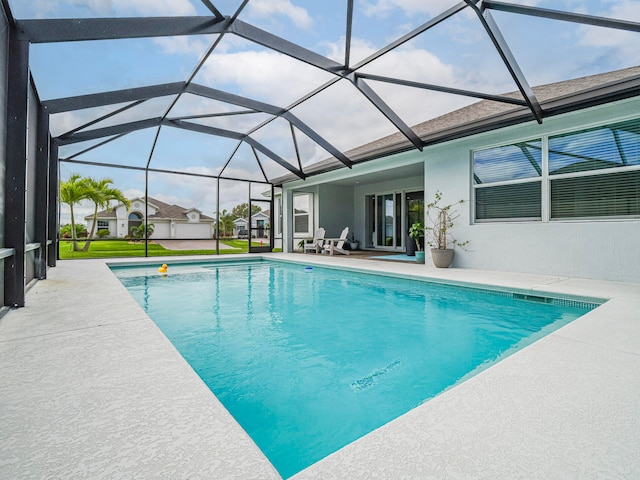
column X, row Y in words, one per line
column 65, row 231
column 103, row 233
column 138, row 232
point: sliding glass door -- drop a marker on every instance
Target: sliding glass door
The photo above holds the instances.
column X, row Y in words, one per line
column 384, row 221
column 415, row 213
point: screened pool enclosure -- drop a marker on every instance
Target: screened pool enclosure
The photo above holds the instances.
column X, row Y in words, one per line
column 205, row 105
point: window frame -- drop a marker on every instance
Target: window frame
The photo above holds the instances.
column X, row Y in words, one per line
column 310, row 228
column 547, row 178
column 528, row 180
column 98, row 227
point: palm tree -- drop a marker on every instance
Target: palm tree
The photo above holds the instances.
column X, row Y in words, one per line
column 226, row 222
column 101, row 193
column 72, row 192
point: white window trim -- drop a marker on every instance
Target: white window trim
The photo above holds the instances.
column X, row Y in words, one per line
column 546, row 178
column 310, row 223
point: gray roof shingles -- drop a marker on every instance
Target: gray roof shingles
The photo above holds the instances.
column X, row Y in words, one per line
column 165, row 211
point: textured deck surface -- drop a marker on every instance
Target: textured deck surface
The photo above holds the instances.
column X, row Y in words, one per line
column 92, row 389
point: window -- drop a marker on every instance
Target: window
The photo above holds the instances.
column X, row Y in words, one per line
column 594, row 172
column 103, row 224
column 508, row 182
column 605, row 195
column 590, row 173
column 302, row 204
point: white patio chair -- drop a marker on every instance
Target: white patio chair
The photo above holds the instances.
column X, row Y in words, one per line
column 332, row 245
column 316, row 243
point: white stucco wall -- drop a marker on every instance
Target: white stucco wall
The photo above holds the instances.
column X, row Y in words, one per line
column 602, row 249
column 335, row 209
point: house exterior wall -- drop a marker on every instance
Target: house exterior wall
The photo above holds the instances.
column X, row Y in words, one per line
column 335, row 209
column 162, row 228
column 191, row 227
column 122, row 222
column 597, row 248
column 259, row 216
column 601, row 248
column 193, row 216
column 239, row 224
column 243, row 224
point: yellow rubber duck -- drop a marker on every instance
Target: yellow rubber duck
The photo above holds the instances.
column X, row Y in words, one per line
column 163, row 268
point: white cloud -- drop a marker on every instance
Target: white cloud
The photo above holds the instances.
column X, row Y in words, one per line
column 145, row 7
column 408, row 63
column 263, row 75
column 64, row 122
column 185, row 45
column 623, row 43
column 382, row 8
column 269, row 8
column 339, row 113
column 132, row 193
column 49, row 8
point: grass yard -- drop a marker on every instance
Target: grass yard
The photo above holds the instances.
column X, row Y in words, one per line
column 124, row 248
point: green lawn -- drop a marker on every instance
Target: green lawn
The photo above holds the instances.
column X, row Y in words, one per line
column 123, row 248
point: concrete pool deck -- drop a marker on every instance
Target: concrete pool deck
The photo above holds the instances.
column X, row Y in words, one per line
column 92, row 389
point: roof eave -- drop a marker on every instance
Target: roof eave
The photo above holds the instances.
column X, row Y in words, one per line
column 591, row 97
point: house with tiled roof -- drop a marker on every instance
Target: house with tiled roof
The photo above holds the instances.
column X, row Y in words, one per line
column 543, row 198
column 169, row 221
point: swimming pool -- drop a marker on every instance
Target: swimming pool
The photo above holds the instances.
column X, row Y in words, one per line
column 309, row 359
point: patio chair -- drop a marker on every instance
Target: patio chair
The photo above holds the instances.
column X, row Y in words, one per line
column 332, row 245
column 316, row 243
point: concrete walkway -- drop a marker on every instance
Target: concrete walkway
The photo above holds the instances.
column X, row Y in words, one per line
column 92, row 389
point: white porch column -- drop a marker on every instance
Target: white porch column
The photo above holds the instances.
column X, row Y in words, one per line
column 287, row 220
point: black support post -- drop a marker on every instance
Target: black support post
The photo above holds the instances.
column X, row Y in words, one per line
column 17, row 98
column 52, row 223
column 42, row 192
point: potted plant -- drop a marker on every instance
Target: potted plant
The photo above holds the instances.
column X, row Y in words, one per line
column 416, row 232
column 353, row 243
column 302, row 242
column 440, row 239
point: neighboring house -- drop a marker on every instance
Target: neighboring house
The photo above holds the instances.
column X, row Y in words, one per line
column 240, row 225
column 561, row 198
column 169, row 221
column 259, row 224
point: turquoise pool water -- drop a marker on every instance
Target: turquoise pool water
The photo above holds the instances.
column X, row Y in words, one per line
column 309, row 359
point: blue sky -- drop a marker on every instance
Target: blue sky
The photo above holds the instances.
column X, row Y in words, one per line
column 456, row 53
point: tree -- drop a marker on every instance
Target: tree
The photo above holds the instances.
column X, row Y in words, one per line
column 101, row 193
column 226, row 223
column 242, row 211
column 72, row 192
column 138, row 232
